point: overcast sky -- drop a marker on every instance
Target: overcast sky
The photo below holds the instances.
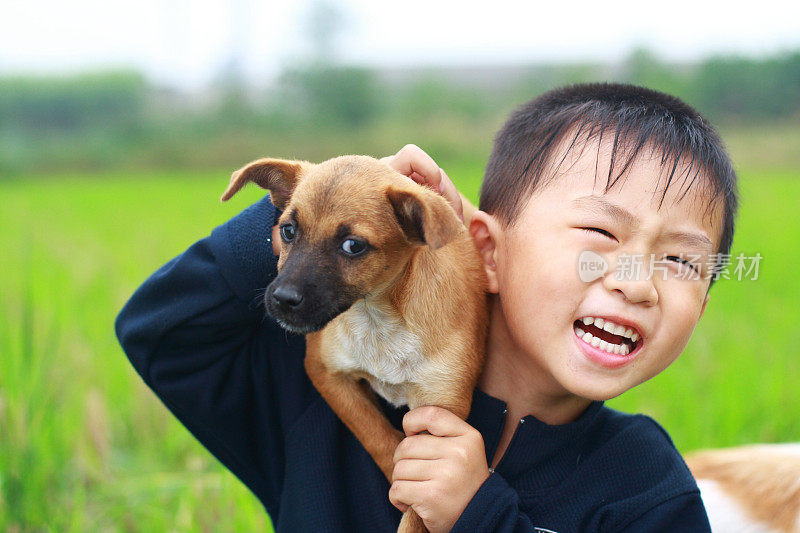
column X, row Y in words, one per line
column 185, row 42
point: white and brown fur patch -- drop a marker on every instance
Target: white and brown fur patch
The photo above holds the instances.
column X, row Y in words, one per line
column 750, row 488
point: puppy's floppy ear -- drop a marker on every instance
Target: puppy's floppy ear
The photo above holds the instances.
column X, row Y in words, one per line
column 278, row 175
column 424, row 222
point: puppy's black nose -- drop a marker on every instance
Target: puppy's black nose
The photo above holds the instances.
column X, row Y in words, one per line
column 287, row 296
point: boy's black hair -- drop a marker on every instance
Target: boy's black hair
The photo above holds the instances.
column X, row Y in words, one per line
column 637, row 118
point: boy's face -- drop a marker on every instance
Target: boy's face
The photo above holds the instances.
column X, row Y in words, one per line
column 547, row 296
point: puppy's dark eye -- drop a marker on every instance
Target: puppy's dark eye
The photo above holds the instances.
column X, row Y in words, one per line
column 353, row 246
column 287, row 233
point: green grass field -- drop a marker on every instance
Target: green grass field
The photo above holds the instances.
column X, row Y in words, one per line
column 85, row 446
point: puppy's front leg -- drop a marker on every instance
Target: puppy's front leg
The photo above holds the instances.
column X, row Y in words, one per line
column 457, row 399
column 353, row 403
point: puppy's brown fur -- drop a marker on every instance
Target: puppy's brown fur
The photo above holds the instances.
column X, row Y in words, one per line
column 762, row 480
column 406, row 318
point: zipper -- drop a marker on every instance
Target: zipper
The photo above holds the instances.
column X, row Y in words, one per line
column 510, row 442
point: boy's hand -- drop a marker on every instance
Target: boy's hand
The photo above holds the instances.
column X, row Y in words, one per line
column 413, row 162
column 437, row 474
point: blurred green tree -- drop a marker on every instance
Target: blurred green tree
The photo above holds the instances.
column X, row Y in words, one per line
column 74, row 103
column 331, row 97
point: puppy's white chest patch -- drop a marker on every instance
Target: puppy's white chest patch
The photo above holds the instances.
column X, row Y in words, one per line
column 375, row 340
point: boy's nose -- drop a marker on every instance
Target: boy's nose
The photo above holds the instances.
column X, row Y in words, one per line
column 635, row 288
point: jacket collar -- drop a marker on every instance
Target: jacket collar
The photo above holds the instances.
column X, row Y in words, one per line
column 535, row 444
column 548, row 450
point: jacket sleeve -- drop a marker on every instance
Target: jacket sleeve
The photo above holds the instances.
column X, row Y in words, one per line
column 197, row 333
column 685, row 512
column 495, row 507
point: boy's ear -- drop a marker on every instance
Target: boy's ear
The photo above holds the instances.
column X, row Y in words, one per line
column 423, row 222
column 279, row 176
column 485, row 231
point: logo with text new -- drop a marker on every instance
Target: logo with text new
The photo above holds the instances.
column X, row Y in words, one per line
column 591, row 266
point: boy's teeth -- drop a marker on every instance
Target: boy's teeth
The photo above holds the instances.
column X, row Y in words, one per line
column 610, row 327
column 597, row 342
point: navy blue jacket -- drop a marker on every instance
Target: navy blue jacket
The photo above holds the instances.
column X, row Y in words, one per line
column 197, row 333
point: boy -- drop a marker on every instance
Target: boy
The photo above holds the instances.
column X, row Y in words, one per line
column 613, row 171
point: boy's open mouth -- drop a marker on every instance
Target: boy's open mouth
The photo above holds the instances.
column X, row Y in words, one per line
column 606, row 335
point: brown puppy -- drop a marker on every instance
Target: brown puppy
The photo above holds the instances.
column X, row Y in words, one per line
column 385, row 282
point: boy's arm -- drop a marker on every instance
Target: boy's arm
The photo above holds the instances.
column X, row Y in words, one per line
column 196, row 333
column 495, row 507
column 441, row 471
column 443, row 475
column 682, row 513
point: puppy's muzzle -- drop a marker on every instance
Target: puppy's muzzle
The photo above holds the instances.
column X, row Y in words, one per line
column 287, row 298
column 307, row 304
column 287, row 303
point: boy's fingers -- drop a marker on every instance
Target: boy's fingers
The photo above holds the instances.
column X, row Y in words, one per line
column 418, row 178
column 419, row 447
column 403, row 493
column 449, row 191
column 435, row 420
column 411, row 159
column 412, row 470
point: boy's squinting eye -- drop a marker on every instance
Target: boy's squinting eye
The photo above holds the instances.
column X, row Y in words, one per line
column 600, row 231
column 681, row 260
